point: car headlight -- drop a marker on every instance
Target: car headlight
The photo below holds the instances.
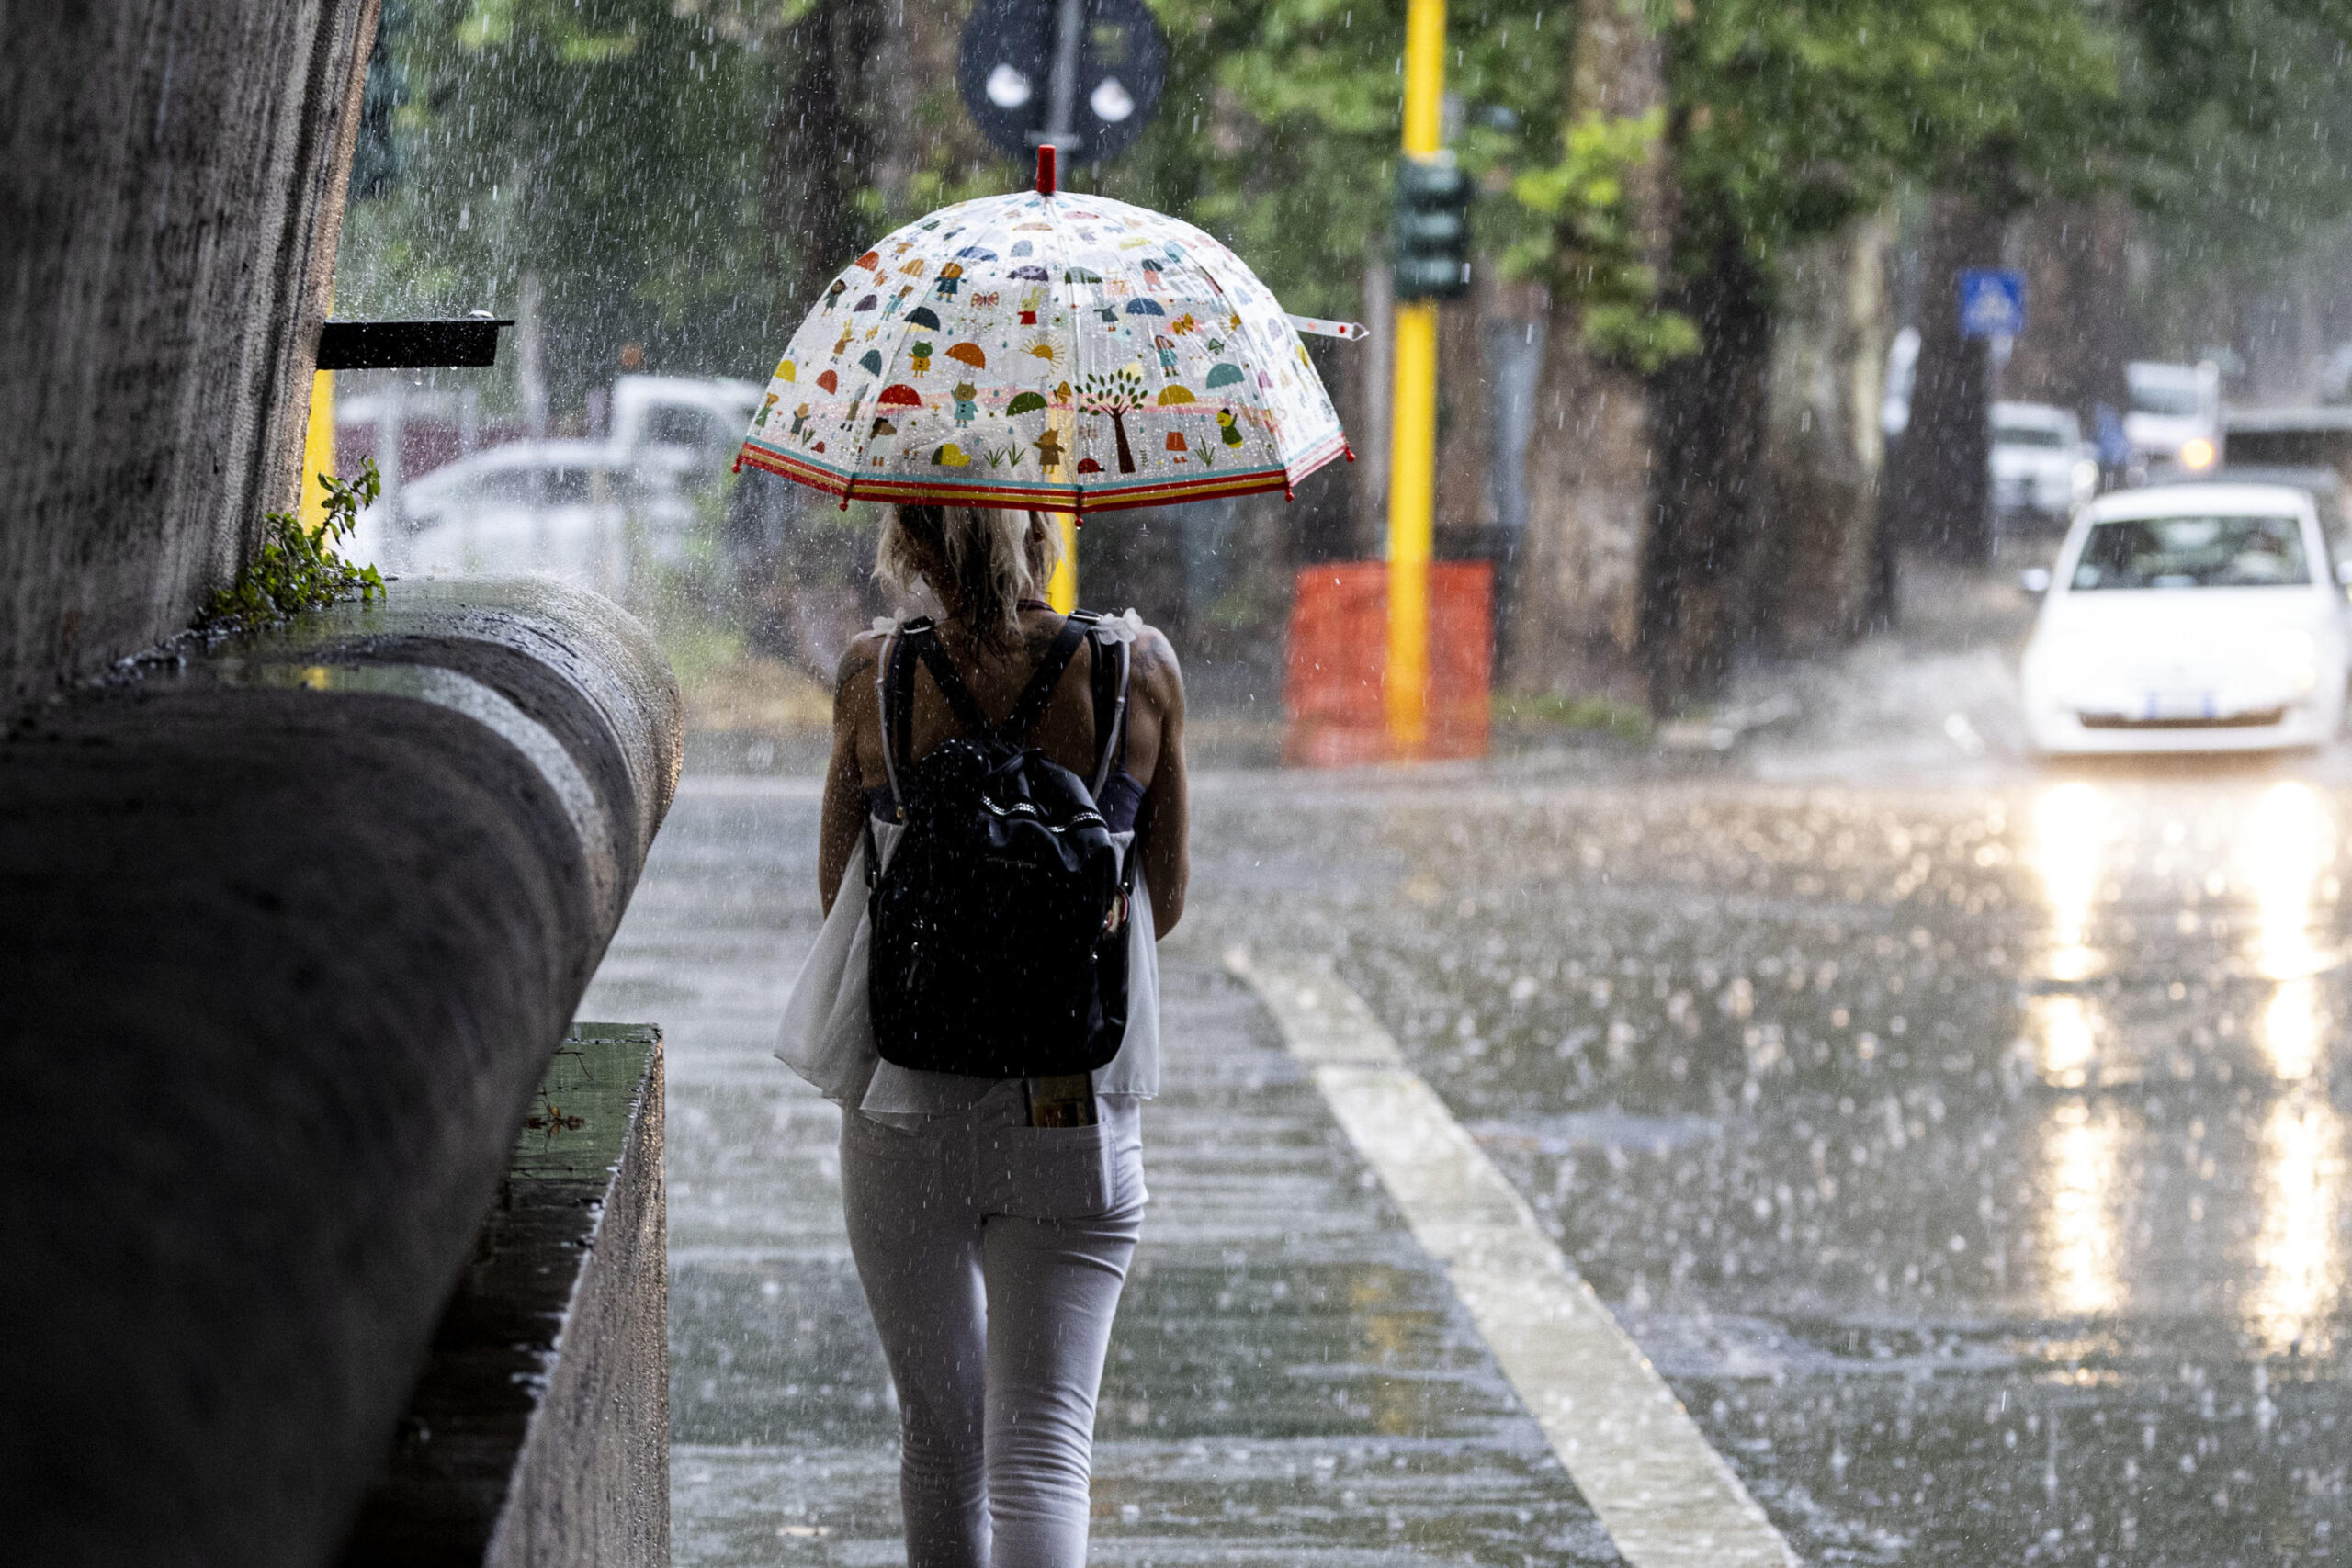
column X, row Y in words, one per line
column 2197, row 453
column 2086, row 480
column 2294, row 653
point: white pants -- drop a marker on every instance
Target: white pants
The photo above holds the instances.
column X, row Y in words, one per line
column 993, row 1255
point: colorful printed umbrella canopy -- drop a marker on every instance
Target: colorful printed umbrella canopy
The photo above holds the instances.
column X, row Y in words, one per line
column 1067, row 353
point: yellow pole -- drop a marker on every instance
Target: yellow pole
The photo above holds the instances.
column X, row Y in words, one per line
column 1412, row 429
column 1061, row 589
column 318, row 450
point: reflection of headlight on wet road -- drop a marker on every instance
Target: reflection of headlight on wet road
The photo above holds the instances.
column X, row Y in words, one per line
column 2294, row 1296
column 2294, row 653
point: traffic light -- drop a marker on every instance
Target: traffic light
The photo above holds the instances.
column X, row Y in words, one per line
column 1432, row 230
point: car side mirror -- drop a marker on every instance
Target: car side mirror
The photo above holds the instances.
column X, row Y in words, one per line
column 2036, row 579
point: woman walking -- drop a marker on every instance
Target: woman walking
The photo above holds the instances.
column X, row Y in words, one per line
column 992, row 1212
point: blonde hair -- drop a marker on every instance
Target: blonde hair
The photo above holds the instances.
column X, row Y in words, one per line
column 988, row 558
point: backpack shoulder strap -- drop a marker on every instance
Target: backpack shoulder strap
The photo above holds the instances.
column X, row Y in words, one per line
column 960, row 700
column 1031, row 705
column 1112, row 665
column 894, row 690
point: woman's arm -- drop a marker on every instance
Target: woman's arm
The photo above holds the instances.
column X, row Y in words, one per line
column 1164, row 824
column 856, row 716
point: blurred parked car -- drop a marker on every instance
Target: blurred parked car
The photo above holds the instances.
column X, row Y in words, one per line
column 583, row 510
column 2042, row 468
column 2176, row 414
column 688, row 427
column 2190, row 617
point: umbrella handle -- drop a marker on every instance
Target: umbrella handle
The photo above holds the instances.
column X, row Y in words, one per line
column 1045, row 161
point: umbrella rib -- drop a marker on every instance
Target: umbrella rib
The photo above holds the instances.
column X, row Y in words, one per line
column 1068, row 286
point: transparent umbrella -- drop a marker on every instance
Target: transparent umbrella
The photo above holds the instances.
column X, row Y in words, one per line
column 1049, row 350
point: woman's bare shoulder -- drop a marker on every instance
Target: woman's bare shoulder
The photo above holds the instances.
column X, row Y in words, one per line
column 860, row 661
column 1157, row 672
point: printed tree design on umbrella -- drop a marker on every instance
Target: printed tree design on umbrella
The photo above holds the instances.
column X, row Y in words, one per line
column 1118, row 394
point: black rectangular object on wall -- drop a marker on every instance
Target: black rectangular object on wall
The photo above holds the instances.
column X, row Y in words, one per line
column 468, row 343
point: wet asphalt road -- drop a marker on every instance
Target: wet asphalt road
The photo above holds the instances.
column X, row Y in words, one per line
column 1962, row 1148
column 1966, row 1156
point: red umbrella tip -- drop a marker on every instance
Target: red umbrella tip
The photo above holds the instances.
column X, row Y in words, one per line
column 1046, row 156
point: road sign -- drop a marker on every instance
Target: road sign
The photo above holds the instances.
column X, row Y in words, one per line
column 1992, row 302
column 1084, row 75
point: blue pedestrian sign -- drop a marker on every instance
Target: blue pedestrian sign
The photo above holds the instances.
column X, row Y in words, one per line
column 1992, row 302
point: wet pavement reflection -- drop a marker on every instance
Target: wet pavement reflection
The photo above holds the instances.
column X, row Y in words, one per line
column 1967, row 1159
column 1292, row 1380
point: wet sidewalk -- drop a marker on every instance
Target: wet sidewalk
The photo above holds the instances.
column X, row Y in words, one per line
column 1291, row 1379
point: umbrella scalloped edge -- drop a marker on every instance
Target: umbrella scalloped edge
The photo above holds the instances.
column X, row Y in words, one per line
column 1042, row 498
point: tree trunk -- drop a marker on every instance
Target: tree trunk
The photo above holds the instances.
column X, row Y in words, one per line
column 1590, row 459
column 1463, row 446
column 1942, row 488
column 823, row 138
column 2079, row 329
column 1810, row 569
column 1708, row 418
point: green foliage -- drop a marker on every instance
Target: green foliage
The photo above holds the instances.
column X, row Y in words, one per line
column 612, row 147
column 1589, row 252
column 1278, row 129
column 2239, row 155
column 618, row 148
column 1551, row 710
column 297, row 568
column 1789, row 119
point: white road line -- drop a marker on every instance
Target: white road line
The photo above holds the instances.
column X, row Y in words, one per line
column 1665, row 1497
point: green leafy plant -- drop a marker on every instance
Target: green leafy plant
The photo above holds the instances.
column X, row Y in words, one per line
column 297, row 568
column 1589, row 253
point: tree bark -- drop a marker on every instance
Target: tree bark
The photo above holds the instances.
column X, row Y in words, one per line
column 2078, row 330
column 1707, row 415
column 1578, row 615
column 823, row 138
column 1942, row 489
column 1824, row 453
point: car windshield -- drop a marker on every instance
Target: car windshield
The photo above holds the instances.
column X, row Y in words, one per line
column 2193, row 552
column 548, row 485
column 2157, row 398
column 2025, row 435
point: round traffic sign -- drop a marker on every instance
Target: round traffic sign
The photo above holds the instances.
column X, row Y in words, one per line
column 1005, row 72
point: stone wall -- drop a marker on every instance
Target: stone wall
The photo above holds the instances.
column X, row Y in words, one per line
column 167, row 232
column 539, row 1435
column 288, row 931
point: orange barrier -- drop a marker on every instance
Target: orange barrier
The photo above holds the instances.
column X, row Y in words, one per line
column 1339, row 656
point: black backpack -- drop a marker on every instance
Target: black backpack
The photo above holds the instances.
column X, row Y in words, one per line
column 998, row 941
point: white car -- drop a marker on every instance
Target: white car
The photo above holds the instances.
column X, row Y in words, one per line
column 2190, row 617
column 579, row 510
column 2176, row 414
column 2040, row 467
